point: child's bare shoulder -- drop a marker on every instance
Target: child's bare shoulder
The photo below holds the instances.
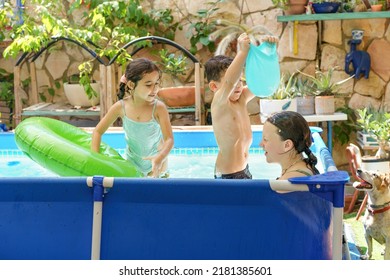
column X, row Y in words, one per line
column 118, row 106
column 160, row 104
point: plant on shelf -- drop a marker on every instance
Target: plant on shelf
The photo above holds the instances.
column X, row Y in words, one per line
column 376, row 5
column 303, row 87
column 287, row 87
column 348, row 6
column 326, row 6
column 291, row 6
column 281, row 3
column 74, row 91
column 323, row 84
column 325, row 90
column 325, row 1
column 304, row 95
column 283, row 97
column 376, row 123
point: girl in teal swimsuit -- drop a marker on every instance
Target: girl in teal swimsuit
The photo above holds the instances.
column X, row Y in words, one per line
column 287, row 140
column 148, row 131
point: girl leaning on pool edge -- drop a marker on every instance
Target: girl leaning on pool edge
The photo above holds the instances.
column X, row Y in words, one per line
column 286, row 138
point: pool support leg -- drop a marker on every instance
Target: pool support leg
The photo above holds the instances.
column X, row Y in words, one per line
column 98, row 183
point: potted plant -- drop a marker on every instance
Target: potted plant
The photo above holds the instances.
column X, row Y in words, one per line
column 377, row 124
column 283, row 98
column 81, row 93
column 175, row 94
column 325, row 90
column 326, row 6
column 376, row 6
column 291, row 7
column 348, row 6
column 304, row 96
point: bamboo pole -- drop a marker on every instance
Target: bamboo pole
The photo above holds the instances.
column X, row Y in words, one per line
column 34, row 84
column 198, row 97
column 18, row 96
column 110, row 86
column 103, row 90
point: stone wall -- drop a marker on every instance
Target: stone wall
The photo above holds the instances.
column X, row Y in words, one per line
column 329, row 50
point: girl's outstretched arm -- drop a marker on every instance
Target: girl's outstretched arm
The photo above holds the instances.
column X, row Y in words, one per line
column 113, row 113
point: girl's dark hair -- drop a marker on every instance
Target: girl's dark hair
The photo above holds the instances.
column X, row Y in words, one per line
column 135, row 71
column 291, row 125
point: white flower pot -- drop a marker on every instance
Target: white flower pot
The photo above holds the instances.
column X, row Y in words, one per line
column 269, row 106
column 77, row 97
column 375, row 164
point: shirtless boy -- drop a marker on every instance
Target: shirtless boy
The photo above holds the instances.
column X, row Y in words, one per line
column 229, row 112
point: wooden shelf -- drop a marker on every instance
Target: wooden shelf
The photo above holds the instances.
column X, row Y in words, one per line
column 64, row 109
column 334, row 16
column 59, row 109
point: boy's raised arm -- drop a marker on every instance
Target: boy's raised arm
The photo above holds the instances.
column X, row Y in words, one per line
column 234, row 72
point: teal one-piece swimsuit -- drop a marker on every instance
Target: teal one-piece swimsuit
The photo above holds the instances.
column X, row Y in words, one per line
column 142, row 140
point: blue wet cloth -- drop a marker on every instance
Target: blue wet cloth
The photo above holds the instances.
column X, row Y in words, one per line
column 262, row 71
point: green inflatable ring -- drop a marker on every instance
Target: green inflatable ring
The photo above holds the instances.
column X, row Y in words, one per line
column 66, row 150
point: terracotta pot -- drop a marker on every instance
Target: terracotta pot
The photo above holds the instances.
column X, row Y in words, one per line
column 324, row 105
column 177, row 96
column 376, row 8
column 296, row 7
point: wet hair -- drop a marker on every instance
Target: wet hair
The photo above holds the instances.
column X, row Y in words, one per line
column 216, row 66
column 292, row 126
column 135, row 71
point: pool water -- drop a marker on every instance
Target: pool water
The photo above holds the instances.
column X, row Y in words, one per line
column 183, row 163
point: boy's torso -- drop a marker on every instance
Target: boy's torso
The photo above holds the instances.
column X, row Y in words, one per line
column 233, row 133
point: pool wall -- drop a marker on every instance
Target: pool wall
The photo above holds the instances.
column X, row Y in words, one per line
column 131, row 218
